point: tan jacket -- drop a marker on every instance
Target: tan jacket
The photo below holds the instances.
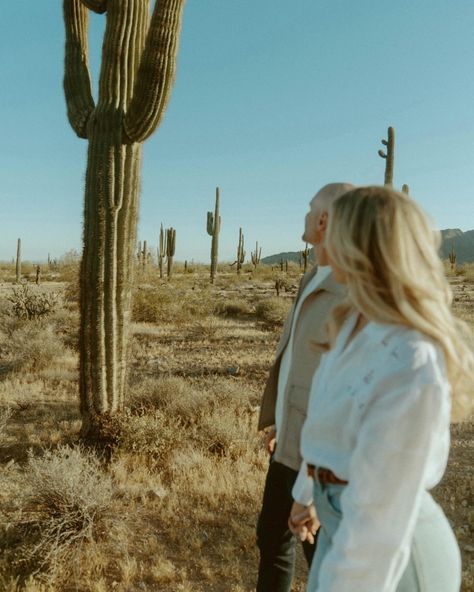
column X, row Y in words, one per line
column 311, row 326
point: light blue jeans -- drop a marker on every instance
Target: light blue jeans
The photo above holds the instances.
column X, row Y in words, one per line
column 435, row 561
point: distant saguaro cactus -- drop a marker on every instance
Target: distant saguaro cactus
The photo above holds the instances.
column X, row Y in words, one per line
column 406, row 189
column 161, row 249
column 170, row 249
column 240, row 251
column 137, row 72
column 213, row 229
column 305, row 255
column 145, row 255
column 256, row 255
column 18, row 261
column 389, row 155
column 452, row 257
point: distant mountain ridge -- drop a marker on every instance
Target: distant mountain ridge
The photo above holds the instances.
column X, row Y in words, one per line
column 463, row 243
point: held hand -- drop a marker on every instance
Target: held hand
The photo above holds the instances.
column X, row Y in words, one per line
column 303, row 522
column 269, row 440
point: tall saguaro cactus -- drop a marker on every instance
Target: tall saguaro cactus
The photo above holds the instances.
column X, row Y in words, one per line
column 137, row 72
column 170, row 249
column 389, row 155
column 256, row 255
column 161, row 249
column 240, row 251
column 18, row 261
column 213, row 229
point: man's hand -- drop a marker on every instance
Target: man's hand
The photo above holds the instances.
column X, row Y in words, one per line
column 269, row 440
column 303, row 522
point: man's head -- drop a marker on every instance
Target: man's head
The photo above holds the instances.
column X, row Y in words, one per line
column 316, row 220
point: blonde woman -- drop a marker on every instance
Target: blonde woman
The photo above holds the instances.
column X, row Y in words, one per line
column 376, row 437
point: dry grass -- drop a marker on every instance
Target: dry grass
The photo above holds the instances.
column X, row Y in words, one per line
column 175, row 509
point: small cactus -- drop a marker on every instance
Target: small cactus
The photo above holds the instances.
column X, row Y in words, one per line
column 240, row 251
column 256, row 255
column 452, row 257
column 18, row 261
column 170, row 249
column 213, row 229
column 389, row 155
column 406, row 189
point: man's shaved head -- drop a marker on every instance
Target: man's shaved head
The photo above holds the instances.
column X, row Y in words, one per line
column 316, row 219
column 329, row 193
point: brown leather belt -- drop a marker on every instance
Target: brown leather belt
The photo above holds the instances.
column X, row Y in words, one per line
column 324, row 476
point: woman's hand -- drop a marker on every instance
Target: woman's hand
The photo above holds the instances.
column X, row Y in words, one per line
column 303, row 522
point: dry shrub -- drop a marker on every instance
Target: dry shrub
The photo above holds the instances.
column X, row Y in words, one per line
column 207, row 328
column 62, row 500
column 65, row 322
column 150, row 305
column 154, row 435
column 163, row 305
column 5, row 415
column 32, row 346
column 174, row 396
column 211, row 414
column 469, row 271
column 272, row 312
column 236, row 307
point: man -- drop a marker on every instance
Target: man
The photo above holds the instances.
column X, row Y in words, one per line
column 285, row 399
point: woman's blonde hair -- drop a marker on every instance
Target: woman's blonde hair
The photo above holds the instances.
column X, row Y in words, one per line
column 383, row 242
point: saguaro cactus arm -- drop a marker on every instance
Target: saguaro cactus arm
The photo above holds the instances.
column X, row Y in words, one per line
column 156, row 71
column 210, row 223
column 99, row 6
column 77, row 80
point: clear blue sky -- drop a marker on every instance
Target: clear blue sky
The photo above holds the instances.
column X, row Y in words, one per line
column 272, row 100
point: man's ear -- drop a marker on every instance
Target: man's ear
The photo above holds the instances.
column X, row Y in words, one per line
column 323, row 221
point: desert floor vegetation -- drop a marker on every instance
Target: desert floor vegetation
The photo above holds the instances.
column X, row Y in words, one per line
column 174, row 506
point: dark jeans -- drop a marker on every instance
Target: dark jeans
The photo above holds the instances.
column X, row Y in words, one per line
column 274, row 539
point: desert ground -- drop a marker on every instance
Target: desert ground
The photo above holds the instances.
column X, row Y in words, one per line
column 174, row 506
